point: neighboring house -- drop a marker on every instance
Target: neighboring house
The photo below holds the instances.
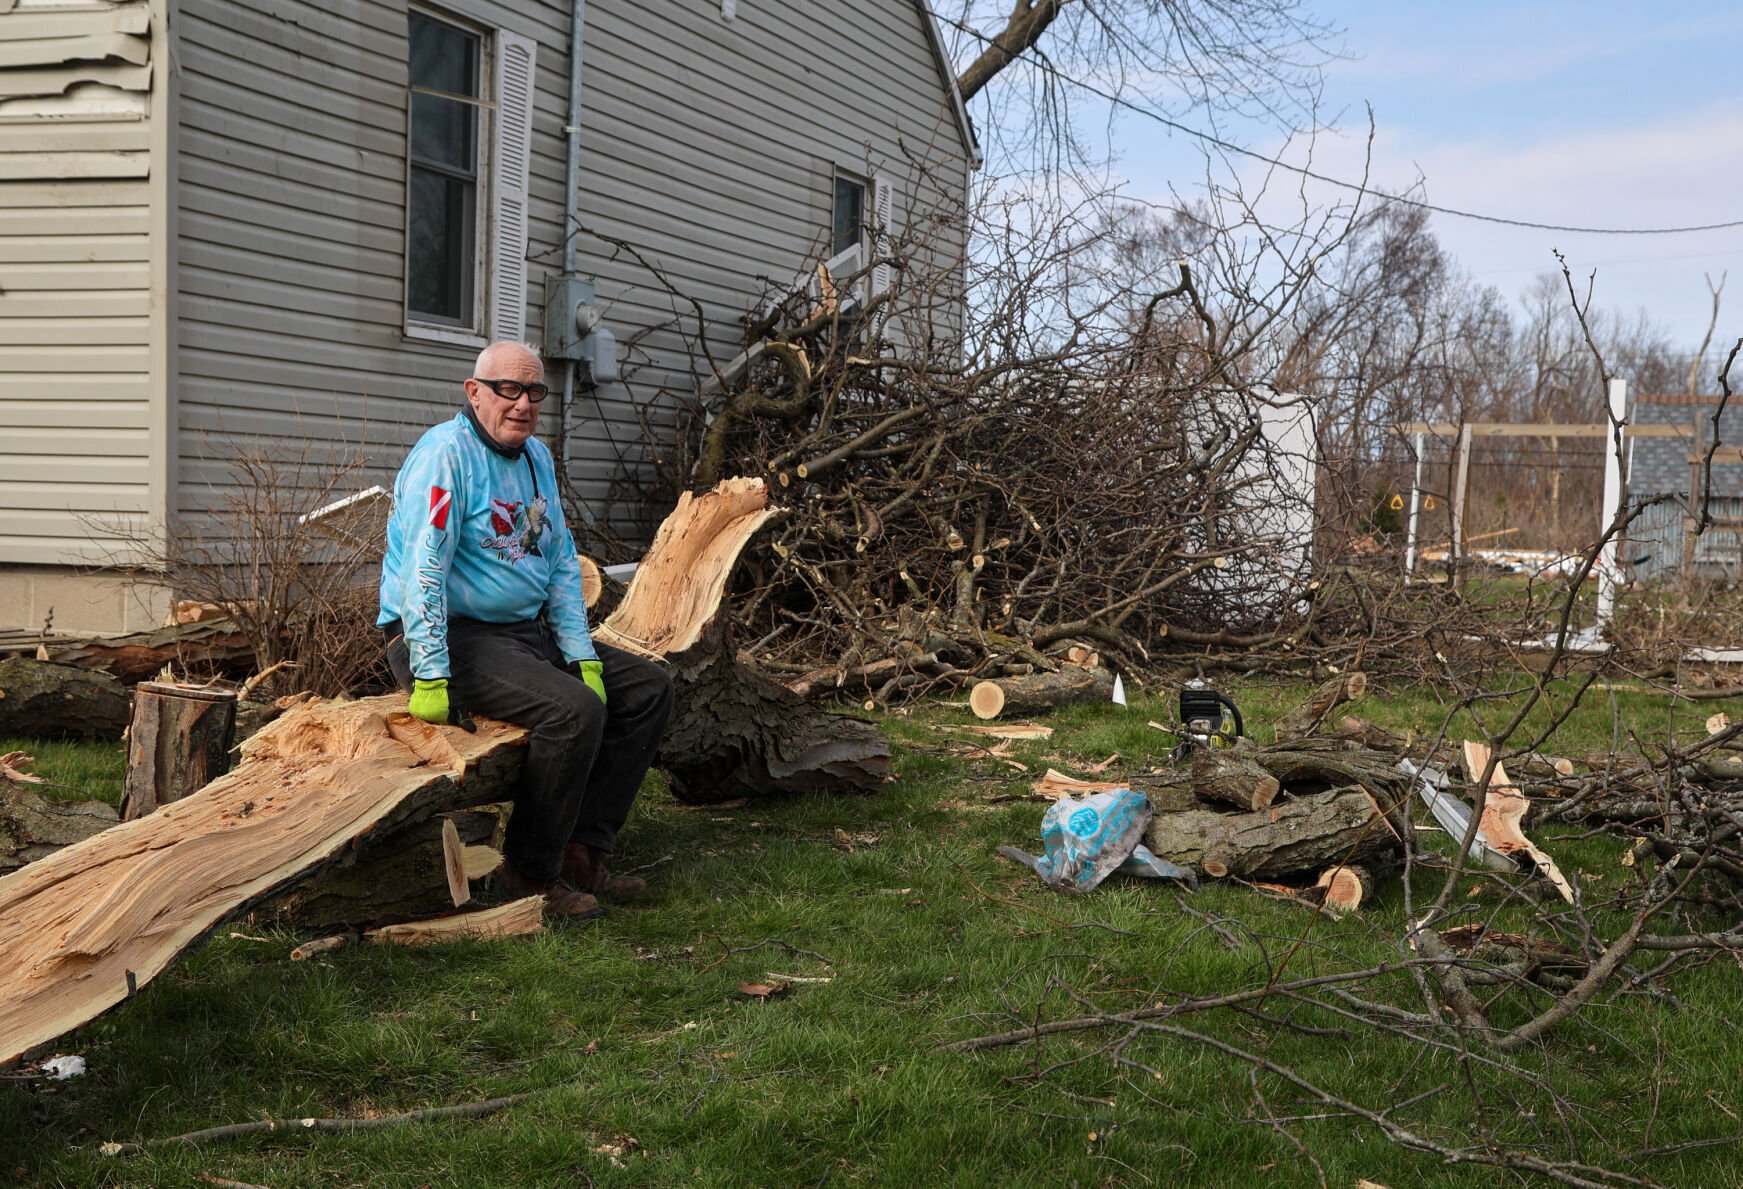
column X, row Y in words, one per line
column 1661, row 541
column 229, row 224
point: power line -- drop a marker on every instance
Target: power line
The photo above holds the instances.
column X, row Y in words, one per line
column 1209, row 138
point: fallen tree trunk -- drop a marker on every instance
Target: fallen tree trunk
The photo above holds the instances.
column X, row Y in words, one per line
column 86, row 927
column 210, row 648
column 44, row 700
column 1031, row 694
column 32, row 827
column 1232, row 779
column 1289, row 838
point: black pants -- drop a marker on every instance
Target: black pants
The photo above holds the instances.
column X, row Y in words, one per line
column 585, row 761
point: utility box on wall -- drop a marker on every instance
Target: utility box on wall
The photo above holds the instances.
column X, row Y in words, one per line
column 570, row 316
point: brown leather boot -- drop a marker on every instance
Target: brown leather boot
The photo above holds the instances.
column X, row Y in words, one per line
column 584, row 867
column 561, row 900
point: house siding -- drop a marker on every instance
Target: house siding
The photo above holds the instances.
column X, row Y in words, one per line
column 84, row 202
column 710, row 148
column 291, row 234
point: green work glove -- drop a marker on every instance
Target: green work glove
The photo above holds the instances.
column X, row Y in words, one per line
column 429, row 701
column 593, row 674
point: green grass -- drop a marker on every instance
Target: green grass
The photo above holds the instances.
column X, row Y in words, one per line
column 634, row 1028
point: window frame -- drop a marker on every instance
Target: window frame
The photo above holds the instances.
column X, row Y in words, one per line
column 471, row 332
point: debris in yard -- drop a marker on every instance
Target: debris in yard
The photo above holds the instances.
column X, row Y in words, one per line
column 1306, row 718
column 13, row 765
column 1013, row 730
column 61, row 1067
column 1504, row 807
column 516, row 918
column 1344, row 887
column 1088, row 839
column 177, row 742
column 763, row 990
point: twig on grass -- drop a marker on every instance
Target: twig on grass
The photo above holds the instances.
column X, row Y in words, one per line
column 465, row 1110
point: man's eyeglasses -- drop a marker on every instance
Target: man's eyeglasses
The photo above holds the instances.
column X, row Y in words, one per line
column 514, row 389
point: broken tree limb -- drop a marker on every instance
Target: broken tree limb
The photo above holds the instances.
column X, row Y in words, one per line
column 178, row 741
column 1305, row 718
column 1289, row 838
column 1504, row 807
column 735, row 731
column 44, row 700
column 211, row 647
column 1036, row 692
column 86, row 927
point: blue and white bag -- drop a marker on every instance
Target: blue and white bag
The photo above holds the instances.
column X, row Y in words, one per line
column 1086, row 839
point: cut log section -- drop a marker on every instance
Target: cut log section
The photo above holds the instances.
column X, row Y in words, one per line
column 1305, row 718
column 1038, row 692
column 43, row 700
column 209, row 648
column 1232, row 779
column 87, row 926
column 1290, row 838
column 178, row 742
column 1504, row 808
column 1344, row 887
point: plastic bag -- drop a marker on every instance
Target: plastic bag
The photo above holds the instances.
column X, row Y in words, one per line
column 1086, row 839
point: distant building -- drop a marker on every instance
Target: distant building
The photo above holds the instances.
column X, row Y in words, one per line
column 1666, row 473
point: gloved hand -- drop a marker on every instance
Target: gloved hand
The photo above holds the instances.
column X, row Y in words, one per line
column 593, row 673
column 430, row 702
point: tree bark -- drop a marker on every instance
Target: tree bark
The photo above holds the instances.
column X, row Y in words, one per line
column 213, row 647
column 32, row 827
column 1036, row 692
column 179, row 741
column 1289, row 838
column 44, row 700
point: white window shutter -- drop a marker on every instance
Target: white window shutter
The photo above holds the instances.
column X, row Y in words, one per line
column 883, row 229
column 508, row 189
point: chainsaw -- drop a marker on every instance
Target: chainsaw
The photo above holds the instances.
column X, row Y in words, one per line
column 1207, row 719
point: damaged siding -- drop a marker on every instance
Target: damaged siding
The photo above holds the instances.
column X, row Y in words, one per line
column 83, row 278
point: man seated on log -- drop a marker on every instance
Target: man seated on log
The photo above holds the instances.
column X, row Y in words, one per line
column 482, row 608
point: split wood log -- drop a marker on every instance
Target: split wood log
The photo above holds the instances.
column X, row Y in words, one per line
column 1343, row 888
column 212, row 648
column 1305, row 718
column 44, row 700
column 735, row 731
column 1233, row 779
column 1290, row 838
column 393, row 875
column 1036, row 692
column 178, row 741
column 87, row 926
column 33, row 827
column 1164, row 796
column 1504, row 808
column 516, row 918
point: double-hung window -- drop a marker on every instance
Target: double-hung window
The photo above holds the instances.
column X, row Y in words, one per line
column 468, row 144
column 860, row 228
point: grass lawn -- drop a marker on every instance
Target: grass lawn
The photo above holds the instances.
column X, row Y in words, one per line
column 896, row 929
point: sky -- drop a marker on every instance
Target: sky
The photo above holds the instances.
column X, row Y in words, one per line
column 1620, row 115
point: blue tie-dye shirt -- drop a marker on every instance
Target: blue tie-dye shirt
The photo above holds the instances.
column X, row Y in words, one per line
column 479, row 533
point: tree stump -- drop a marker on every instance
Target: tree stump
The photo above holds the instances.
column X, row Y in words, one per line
column 178, row 742
column 43, row 700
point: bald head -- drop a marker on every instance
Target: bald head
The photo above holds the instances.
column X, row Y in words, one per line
column 511, row 420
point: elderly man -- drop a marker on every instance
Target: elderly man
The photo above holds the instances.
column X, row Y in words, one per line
column 481, row 604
